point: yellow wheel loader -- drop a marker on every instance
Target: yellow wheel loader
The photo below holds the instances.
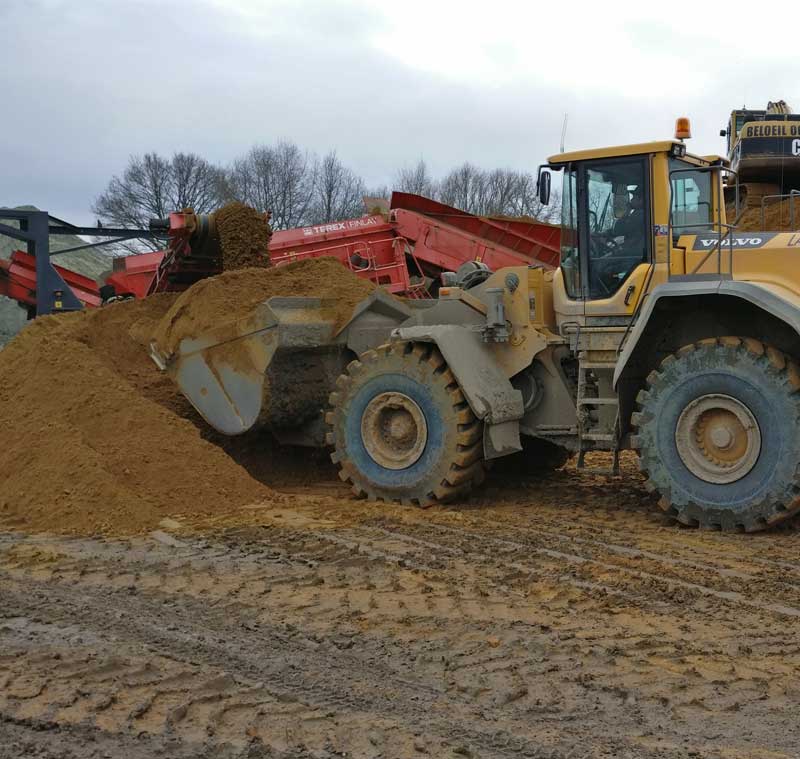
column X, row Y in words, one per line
column 663, row 331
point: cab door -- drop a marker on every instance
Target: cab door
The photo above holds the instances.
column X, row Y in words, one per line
column 614, row 203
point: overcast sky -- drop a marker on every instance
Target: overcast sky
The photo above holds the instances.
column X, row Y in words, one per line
column 85, row 83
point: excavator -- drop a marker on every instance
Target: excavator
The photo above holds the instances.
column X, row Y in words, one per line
column 764, row 152
column 662, row 331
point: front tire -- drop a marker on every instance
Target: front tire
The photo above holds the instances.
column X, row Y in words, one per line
column 718, row 434
column 401, row 429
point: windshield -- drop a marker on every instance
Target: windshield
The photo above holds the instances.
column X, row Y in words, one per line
column 692, row 200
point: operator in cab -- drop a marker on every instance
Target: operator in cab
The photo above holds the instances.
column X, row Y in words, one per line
column 622, row 245
column 630, row 224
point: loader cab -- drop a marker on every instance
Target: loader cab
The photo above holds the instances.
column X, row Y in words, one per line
column 623, row 211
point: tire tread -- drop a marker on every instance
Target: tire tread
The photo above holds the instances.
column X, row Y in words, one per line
column 760, row 515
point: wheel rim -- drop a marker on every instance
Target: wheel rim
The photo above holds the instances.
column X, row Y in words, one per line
column 394, row 430
column 718, row 438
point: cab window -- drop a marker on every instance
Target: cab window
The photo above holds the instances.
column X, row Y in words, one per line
column 570, row 261
column 617, row 222
column 692, row 210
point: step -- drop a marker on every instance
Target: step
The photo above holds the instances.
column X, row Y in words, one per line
column 598, row 402
column 596, row 470
column 599, row 436
column 597, row 365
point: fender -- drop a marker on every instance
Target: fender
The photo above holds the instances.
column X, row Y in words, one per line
column 763, row 296
column 487, row 390
column 373, row 320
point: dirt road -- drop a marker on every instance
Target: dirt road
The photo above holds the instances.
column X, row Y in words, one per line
column 563, row 618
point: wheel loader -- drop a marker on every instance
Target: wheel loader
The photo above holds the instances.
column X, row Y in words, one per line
column 663, row 331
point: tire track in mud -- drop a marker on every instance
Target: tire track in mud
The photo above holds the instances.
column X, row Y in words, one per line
column 722, row 561
column 589, row 556
column 774, row 641
column 514, row 553
column 321, row 684
column 683, row 544
column 325, row 687
column 429, row 636
column 517, row 543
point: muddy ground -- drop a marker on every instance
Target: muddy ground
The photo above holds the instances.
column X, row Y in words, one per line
column 560, row 618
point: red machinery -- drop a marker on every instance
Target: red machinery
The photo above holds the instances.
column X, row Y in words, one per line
column 403, row 251
column 33, row 280
column 133, row 275
column 369, row 247
column 420, row 238
column 445, row 237
column 193, row 252
column 18, row 281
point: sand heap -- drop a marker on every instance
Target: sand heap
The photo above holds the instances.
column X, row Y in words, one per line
column 212, row 302
column 244, row 236
column 777, row 218
column 96, row 439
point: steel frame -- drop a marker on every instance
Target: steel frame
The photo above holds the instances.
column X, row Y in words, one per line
column 35, row 227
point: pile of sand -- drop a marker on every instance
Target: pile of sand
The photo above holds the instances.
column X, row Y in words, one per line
column 777, row 218
column 96, row 439
column 244, row 236
column 212, row 302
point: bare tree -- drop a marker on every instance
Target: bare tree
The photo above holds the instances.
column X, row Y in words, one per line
column 299, row 188
column 338, row 191
column 416, row 179
column 464, row 188
column 494, row 192
column 251, row 179
column 153, row 186
column 498, row 192
column 513, row 193
column 295, row 175
column 195, row 183
column 379, row 191
column 280, row 178
column 528, row 203
column 502, row 191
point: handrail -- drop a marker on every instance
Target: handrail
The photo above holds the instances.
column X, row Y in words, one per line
column 792, row 194
column 718, row 248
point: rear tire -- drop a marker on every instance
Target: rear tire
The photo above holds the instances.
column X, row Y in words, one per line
column 401, row 429
column 718, row 434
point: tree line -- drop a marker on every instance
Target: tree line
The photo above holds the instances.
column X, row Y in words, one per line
column 300, row 188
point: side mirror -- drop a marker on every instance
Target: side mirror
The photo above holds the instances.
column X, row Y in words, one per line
column 723, row 132
column 543, row 186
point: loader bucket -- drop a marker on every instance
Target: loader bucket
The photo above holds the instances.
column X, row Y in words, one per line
column 277, row 365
